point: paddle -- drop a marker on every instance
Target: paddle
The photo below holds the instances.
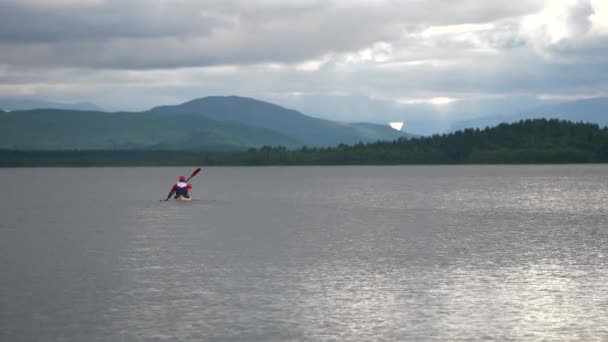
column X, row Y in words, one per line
column 194, row 173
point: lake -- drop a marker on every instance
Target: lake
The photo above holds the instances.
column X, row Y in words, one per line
column 305, row 254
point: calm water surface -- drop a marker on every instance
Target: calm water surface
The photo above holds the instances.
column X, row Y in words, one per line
column 305, row 254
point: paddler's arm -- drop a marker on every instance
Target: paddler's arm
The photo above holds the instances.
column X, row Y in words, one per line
column 173, row 189
column 170, row 194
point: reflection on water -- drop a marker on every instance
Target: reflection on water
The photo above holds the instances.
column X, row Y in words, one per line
column 276, row 254
column 541, row 301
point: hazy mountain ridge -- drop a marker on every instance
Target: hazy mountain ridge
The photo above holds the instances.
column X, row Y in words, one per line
column 593, row 110
column 312, row 131
column 12, row 104
column 217, row 123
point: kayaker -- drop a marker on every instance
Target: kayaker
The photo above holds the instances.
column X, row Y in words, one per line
column 180, row 189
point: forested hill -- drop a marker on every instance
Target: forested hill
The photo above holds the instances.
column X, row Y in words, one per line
column 593, row 110
column 207, row 124
column 259, row 114
column 529, row 141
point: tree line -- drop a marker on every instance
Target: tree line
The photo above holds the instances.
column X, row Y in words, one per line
column 527, row 141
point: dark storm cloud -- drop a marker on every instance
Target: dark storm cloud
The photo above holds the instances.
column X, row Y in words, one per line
column 39, row 22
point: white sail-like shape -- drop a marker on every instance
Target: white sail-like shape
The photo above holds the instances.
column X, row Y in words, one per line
column 396, row 125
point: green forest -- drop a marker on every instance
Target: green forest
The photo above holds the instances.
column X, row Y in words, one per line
column 529, row 141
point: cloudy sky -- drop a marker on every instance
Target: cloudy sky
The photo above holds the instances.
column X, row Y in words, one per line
column 352, row 60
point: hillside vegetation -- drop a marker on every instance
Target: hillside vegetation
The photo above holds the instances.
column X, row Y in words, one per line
column 251, row 112
column 530, row 141
column 51, row 129
column 207, row 124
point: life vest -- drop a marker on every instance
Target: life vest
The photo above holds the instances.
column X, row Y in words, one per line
column 181, row 189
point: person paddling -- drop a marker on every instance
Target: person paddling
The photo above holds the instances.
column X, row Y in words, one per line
column 180, row 189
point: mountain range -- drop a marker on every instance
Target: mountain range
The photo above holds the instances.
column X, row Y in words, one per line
column 221, row 123
column 593, row 110
column 260, row 114
column 211, row 123
column 10, row 104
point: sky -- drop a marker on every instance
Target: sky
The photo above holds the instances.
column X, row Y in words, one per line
column 425, row 62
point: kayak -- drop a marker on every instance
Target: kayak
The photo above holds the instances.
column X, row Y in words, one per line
column 183, row 199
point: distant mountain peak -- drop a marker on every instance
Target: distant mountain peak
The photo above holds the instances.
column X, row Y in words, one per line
column 216, row 122
column 11, row 104
column 262, row 114
column 233, row 100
